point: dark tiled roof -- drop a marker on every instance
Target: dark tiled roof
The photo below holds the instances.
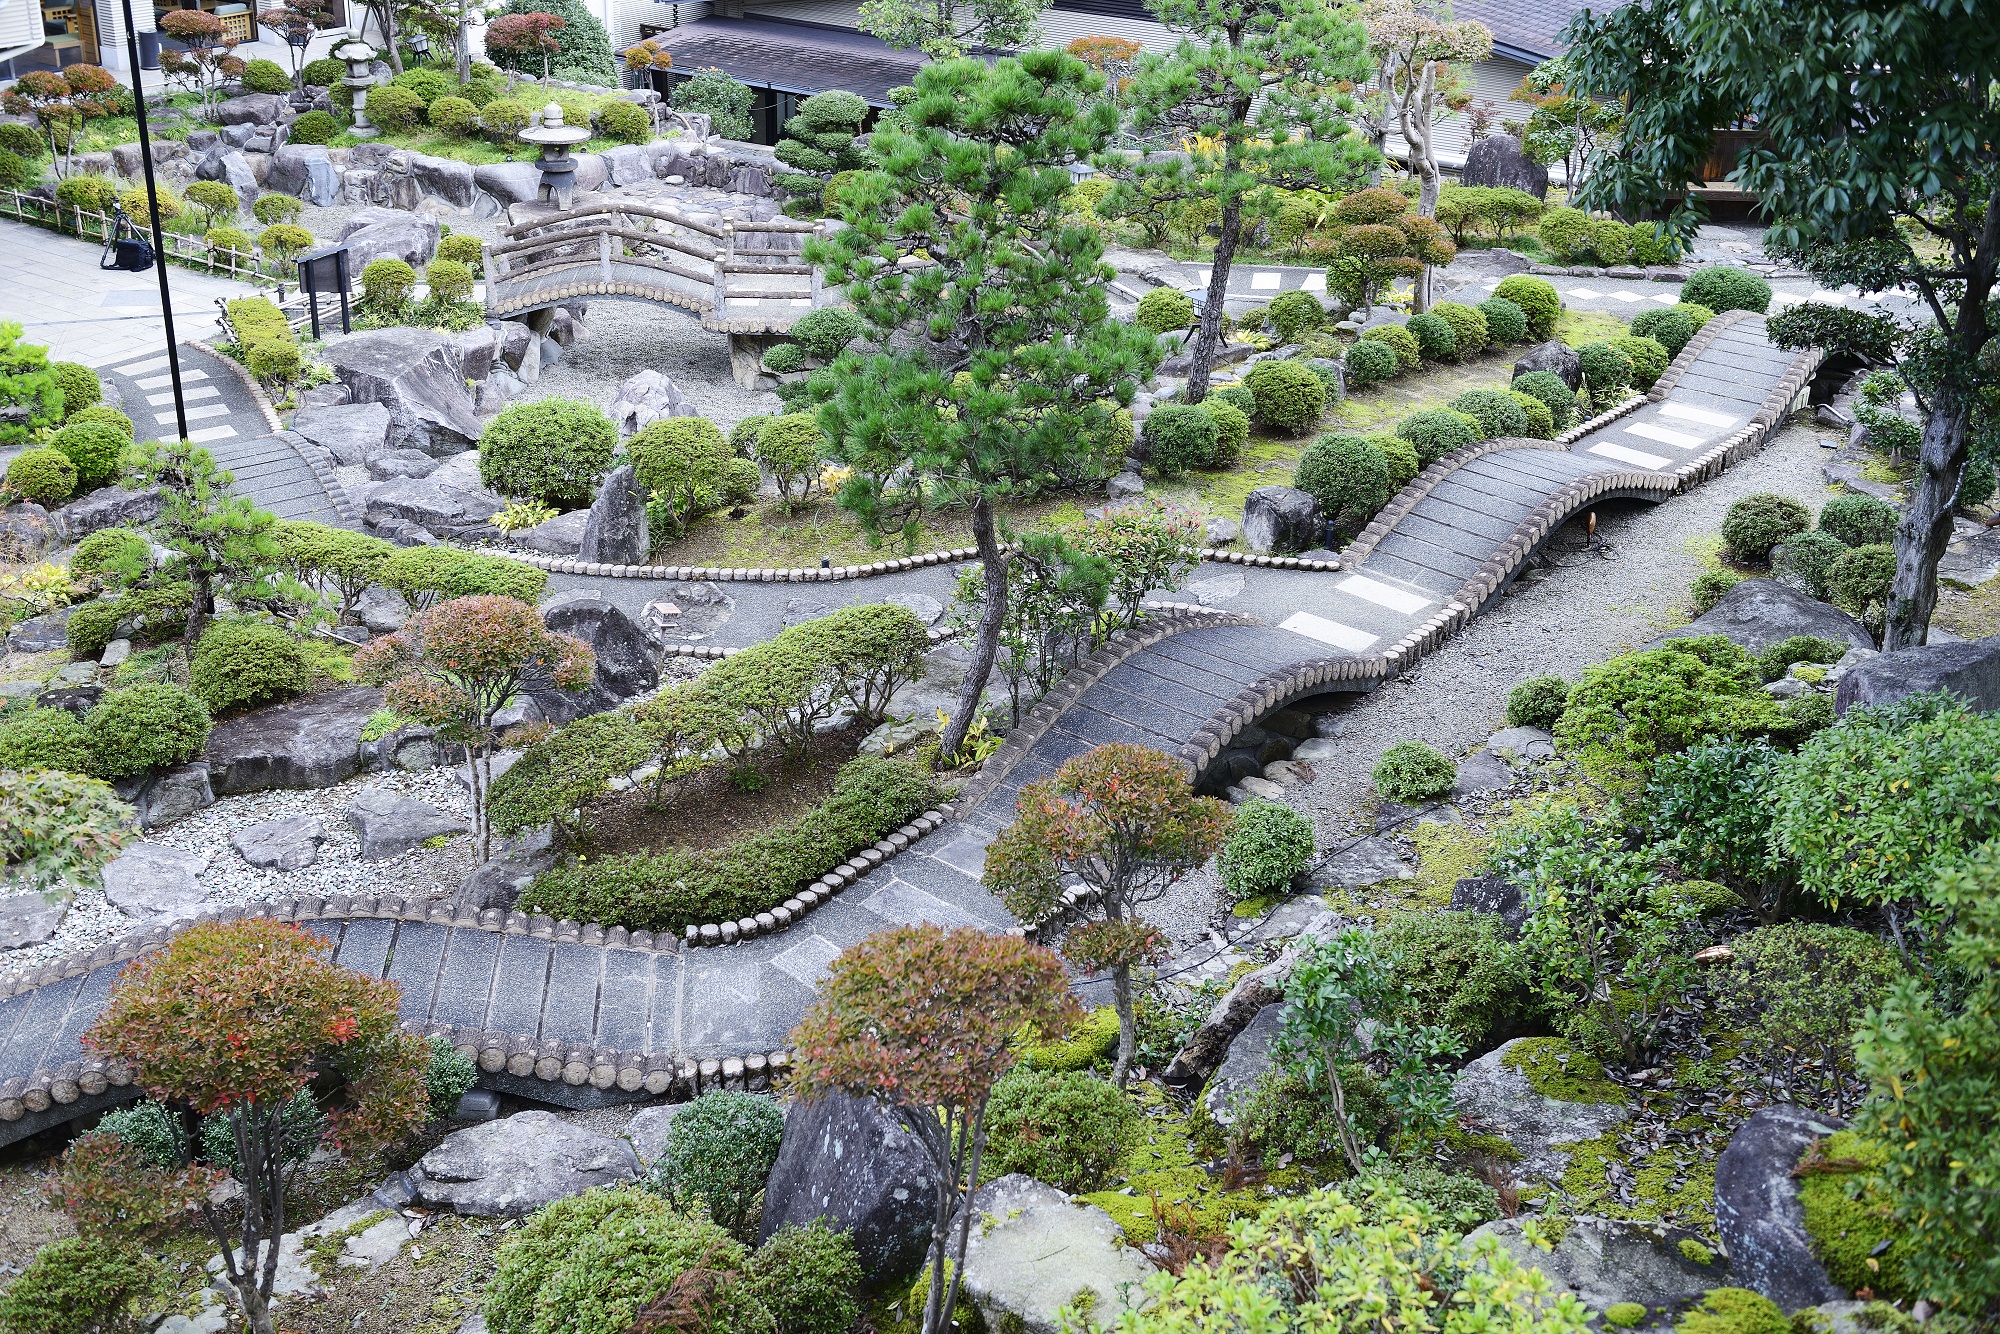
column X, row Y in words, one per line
column 1530, row 27
column 793, row 57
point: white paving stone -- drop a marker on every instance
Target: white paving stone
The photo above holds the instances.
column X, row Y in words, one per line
column 1328, row 632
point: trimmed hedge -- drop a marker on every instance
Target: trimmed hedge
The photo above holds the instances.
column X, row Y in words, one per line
column 1538, row 300
column 1232, row 430
column 1470, row 333
column 1400, row 454
column 1670, row 328
column 1722, row 288
column 43, row 739
column 1348, row 477
column 1290, row 398
column 1398, row 340
column 554, row 450
column 1370, row 362
column 144, row 727
column 1495, row 410
column 1179, row 437
column 1436, row 339
column 1506, row 323
column 243, row 663
column 1436, row 433
column 1541, row 422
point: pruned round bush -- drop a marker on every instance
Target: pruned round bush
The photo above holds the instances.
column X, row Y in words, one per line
column 1348, row 477
column 1238, row 396
column 454, row 116
column 1649, row 359
column 682, row 461
column 627, row 122
column 95, row 448
column 1164, row 309
column 1538, row 300
column 504, row 119
column 1067, row 1128
column 229, row 244
column 15, row 171
column 1436, row 433
column 1469, row 330
column 81, row 1285
column 1710, row 587
column 1859, row 520
column 463, row 248
column 281, row 241
column 218, row 199
column 1178, row 437
column 1559, row 398
column 807, row 1278
column 1398, row 340
column 1670, row 328
column 1698, row 314
column 1610, row 241
column 429, row 575
column 1606, row 372
column 45, row 476
column 1566, row 234
column 1370, row 362
column 274, row 207
column 1541, row 422
column 79, row 384
column 1400, row 455
column 1436, row 339
column 1806, row 559
column 314, row 127
column 554, row 450
column 387, row 282
column 428, row 84
column 1294, row 314
column 719, row 1149
column 138, row 206
column 22, row 141
column 1652, row 243
column 92, row 194
column 1411, row 772
column 397, row 109
column 448, row 280
column 143, row 727
column 1859, row 581
column 1289, row 397
column 324, row 72
column 1459, row 971
column 826, row 332
column 106, row 415
column 785, row 358
column 265, row 76
column 243, row 663
column 43, row 739
column 1232, row 430
column 1268, row 846
column 1721, row 288
column 1506, row 323
column 1758, row 522
column 1537, row 702
column 1495, row 410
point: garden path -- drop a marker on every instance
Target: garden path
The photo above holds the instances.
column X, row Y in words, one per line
column 578, row 1015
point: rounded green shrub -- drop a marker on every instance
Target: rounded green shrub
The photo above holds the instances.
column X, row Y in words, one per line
column 43, row 739
column 448, row 280
column 428, row 84
column 1538, row 300
column 785, row 358
column 1697, row 314
column 1069, row 1129
column 1537, row 702
column 15, row 171
column 1722, row 288
column 243, row 663
column 1400, row 455
column 1859, row 520
column 274, row 208
column 1294, row 314
column 1370, row 362
column 1398, row 340
column 399, row 108
column 1498, row 415
column 1625, row 713
column 111, row 558
column 79, row 384
column 1710, row 587
column 454, row 116
column 1558, row 397
column 1436, row 339
column 142, row 727
column 741, row 481
column 1165, row 309
column 322, row 73
column 81, row 1286
column 92, row 194
column 1649, row 359
column 94, row 448
column 826, row 332
column 266, row 76
column 1469, row 330
column 387, row 282
column 554, row 450
column 314, row 127
column 1625, row 1315
column 1232, row 430
column 218, row 199
column 282, row 241
column 23, row 142
column 1348, row 477
column 1268, row 846
column 1566, row 234
column 1290, row 398
column 719, row 1149
column 1436, row 433
column 1541, row 422
column 1859, row 582
column 548, row 1242
column 1610, row 241
column 230, row 244
column 463, row 248
column 1237, row 396
column 627, row 122
column 92, row 626
column 1758, row 522
column 1652, row 243
column 104, row 414
column 45, row 476
column 1806, row 559
column 1457, row 970
column 1606, row 372
column 807, row 1278
column 1411, row 772
column 1179, row 437
column 503, row 119
column 1670, row 328
column 1506, row 323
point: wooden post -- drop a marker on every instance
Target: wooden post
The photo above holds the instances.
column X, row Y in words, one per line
column 604, row 251
column 722, row 262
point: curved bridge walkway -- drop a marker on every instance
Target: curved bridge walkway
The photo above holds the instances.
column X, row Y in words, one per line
column 577, row 1014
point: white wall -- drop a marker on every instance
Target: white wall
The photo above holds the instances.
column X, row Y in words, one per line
column 1493, row 80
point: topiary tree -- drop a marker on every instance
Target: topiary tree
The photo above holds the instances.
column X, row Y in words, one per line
column 554, row 450
column 283, row 242
column 719, row 1150
column 1558, row 397
column 1411, row 772
column 235, row 1020
column 223, row 540
column 1720, row 288
column 426, row 576
column 1369, row 362
column 1759, row 522
column 1290, row 398
column 1538, row 300
column 924, row 1020
column 61, row 101
column 1506, row 323
column 791, row 447
column 1165, row 309
column 1124, row 821
column 557, row 777
column 1858, row 520
column 217, row 200
column 1348, row 477
column 1179, row 437
column 244, row 663
column 683, row 461
column 824, row 137
column 458, row 664
column 1268, row 845
column 463, row 248
column 826, row 332
column 338, row 561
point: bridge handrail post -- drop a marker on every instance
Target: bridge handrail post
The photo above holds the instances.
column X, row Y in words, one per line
column 604, row 253
column 722, row 263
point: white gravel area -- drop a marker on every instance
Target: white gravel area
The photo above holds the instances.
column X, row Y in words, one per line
column 228, row 879
column 622, row 338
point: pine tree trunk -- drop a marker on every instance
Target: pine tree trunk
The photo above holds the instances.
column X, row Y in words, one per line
column 1926, row 524
column 987, row 646
column 1210, row 337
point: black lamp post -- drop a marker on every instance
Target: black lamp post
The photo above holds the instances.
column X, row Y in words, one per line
column 153, row 213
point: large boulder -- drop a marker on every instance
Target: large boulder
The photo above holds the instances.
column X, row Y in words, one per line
column 1249, row 1056
column 290, row 844
column 616, row 532
column 1757, row 1210
column 40, row 634
column 107, row 507
column 352, row 432
column 173, row 794
column 416, row 375
column 153, row 880
column 1031, row 1253
column 645, row 398
column 505, row 1169
column 1605, row 1261
column 1970, row 670
column 307, row 171
column 27, row 532
column 509, row 183
column 307, row 743
column 1558, row 358
column 1208, row 1046
column 515, row 864
column 627, row 658
column 1280, row 519
column 1494, row 894
column 560, row 536
column 1499, row 1098
column 232, row 168
column 29, row 919
column 850, row 1162
column 375, row 233
column 391, row 824
column 1498, row 160
column 444, row 178
column 253, row 109
column 1758, row 613
column 628, row 164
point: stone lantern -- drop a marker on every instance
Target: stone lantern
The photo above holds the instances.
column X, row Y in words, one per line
column 555, row 139
column 360, row 77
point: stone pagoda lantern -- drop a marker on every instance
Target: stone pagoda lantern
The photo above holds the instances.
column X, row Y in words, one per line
column 555, row 139
column 360, row 77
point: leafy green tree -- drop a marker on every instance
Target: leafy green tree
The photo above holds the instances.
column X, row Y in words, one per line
column 999, row 352
column 947, row 29
column 1904, row 194
column 1124, row 822
column 57, row 826
column 1563, row 125
column 224, row 541
column 29, row 395
column 1249, row 91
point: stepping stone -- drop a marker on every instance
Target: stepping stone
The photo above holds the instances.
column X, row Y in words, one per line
column 153, row 880
column 391, row 824
column 284, row 845
column 1482, row 771
column 1369, row 862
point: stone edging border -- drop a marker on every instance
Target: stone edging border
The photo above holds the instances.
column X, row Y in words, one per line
column 837, row 573
column 322, row 472
column 1717, row 325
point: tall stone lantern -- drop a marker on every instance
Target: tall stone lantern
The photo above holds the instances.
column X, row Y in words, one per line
column 555, row 139
column 360, row 77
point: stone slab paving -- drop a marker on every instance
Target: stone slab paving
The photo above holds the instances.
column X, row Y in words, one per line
column 582, row 1009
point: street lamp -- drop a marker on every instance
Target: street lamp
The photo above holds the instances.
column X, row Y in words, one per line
column 153, row 215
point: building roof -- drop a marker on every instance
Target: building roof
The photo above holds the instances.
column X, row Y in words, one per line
column 793, row 57
column 1527, row 30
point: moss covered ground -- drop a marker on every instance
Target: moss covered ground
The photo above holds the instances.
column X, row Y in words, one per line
column 1164, row 1175
column 1852, row 1230
column 1556, row 1069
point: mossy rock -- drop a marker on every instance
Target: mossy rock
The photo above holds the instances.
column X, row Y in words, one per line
column 1166, row 1162
column 1556, row 1069
column 1849, row 1223
column 1092, row 1042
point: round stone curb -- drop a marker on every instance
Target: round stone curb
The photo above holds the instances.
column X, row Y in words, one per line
column 840, row 573
column 1717, row 325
